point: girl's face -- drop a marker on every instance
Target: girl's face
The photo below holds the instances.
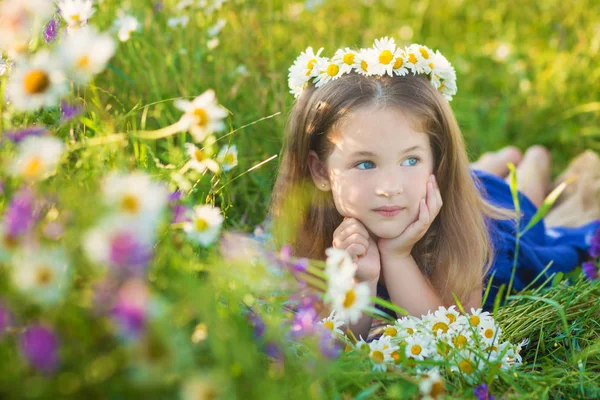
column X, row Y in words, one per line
column 379, row 160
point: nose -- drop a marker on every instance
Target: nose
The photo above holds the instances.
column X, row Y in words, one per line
column 389, row 186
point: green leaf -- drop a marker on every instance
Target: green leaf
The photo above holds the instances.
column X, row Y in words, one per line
column 512, row 183
column 368, row 392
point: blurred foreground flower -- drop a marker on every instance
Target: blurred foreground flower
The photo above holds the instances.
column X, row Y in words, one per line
column 39, row 345
column 21, row 214
column 205, row 224
column 125, row 25
column 202, row 116
column 86, row 53
column 69, row 111
column 37, row 158
column 19, row 135
column 201, row 158
column 228, row 157
column 38, row 82
column 51, row 30
column 76, row 12
column 129, row 312
column 19, row 20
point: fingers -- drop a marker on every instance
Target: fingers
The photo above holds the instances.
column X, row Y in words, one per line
column 353, row 237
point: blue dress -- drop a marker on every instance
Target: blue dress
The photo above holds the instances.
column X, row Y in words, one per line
column 565, row 247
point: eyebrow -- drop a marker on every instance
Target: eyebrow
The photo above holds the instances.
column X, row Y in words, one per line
column 370, row 154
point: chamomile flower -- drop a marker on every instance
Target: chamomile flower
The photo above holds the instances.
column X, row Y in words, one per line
column 41, row 274
column 345, row 59
column 364, row 62
column 437, row 325
column 407, row 326
column 386, row 54
column 205, row 224
column 328, row 70
column 380, row 353
column 362, row 346
column 349, row 304
column 418, row 58
column 37, row 158
column 391, row 331
column 339, row 268
column 182, row 21
column 216, row 28
column 86, row 53
column 490, row 332
column 201, row 158
column 228, row 157
column 38, row 82
column 332, row 323
column 19, row 19
column 400, row 67
column 303, row 69
column 76, row 12
column 202, row 116
column 126, row 25
column 460, row 338
column 479, row 316
column 450, row 314
column 135, row 195
column 431, row 385
column 468, row 364
column 418, row 347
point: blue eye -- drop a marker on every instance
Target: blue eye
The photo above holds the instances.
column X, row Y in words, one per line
column 412, row 161
column 365, row 162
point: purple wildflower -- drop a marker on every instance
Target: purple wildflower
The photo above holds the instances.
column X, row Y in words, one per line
column 180, row 213
column 175, row 196
column 51, row 30
column 158, row 6
column 19, row 135
column 39, row 345
column 595, row 245
column 274, row 351
column 68, row 111
column 304, row 321
column 329, row 346
column 128, row 253
column 257, row 323
column 6, row 318
column 483, row 393
column 129, row 313
column 21, row 214
column 590, row 270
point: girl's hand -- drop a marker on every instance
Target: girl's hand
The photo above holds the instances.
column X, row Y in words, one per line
column 429, row 208
column 352, row 236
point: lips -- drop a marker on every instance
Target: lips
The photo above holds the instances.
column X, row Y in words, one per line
column 389, row 208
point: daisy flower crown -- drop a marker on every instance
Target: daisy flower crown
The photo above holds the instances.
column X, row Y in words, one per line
column 383, row 58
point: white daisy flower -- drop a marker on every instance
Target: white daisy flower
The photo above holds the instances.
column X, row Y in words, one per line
column 332, row 323
column 391, row 331
column 365, row 61
column 135, row 195
column 362, row 346
column 38, row 82
column 87, row 53
column 216, row 28
column 212, row 43
column 205, row 224
column 19, row 19
column 451, row 314
column 437, row 325
column 400, row 67
column 202, row 116
column 460, row 338
column 339, row 269
column 76, row 12
column 407, row 326
column 490, row 332
column 479, row 316
column 201, row 158
column 431, row 385
column 41, row 274
column 380, row 353
column 328, row 70
column 302, row 70
column 228, row 157
column 126, row 24
column 418, row 58
column 345, row 59
column 386, row 54
column 418, row 347
column 182, row 21
column 468, row 364
column 349, row 304
column 37, row 158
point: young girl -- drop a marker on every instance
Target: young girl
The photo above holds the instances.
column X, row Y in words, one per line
column 374, row 163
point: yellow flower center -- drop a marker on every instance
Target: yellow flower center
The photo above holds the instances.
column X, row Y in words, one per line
column 441, row 87
column 329, row 325
column 33, row 167
column 349, row 58
column 130, row 204
column 43, row 276
column 410, row 331
column 460, row 341
column 201, row 116
column 75, row 18
column 416, row 349
column 199, row 155
column 310, row 65
column 364, row 65
column 350, row 298
column 386, row 57
column 488, row 333
column 412, row 58
column 451, row 318
column 332, row 70
column 398, row 63
column 474, row 320
column 431, row 65
column 36, row 82
column 491, row 348
column 424, row 53
column 377, row 357
column 396, row 357
column 439, row 326
column 390, row 331
column 229, row 158
column 83, row 62
column 437, row 389
column 465, row 366
column 201, row 225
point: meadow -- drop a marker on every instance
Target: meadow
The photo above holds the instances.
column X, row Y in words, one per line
column 116, row 202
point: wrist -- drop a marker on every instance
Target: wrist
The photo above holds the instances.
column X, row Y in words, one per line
column 395, row 258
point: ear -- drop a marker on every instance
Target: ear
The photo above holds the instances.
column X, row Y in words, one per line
column 318, row 172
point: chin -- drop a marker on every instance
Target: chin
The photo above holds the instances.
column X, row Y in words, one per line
column 386, row 232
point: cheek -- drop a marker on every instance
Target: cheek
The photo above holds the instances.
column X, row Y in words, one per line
column 417, row 183
column 349, row 194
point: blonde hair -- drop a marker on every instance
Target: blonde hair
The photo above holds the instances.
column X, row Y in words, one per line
column 456, row 251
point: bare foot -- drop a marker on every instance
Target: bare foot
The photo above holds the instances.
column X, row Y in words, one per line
column 497, row 162
column 533, row 174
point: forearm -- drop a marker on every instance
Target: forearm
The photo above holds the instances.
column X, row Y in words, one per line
column 407, row 286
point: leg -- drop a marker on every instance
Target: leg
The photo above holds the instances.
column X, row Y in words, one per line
column 533, row 174
column 496, row 162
